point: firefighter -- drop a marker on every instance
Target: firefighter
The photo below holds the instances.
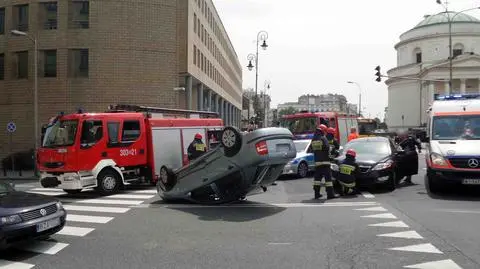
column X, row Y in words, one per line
column 197, row 148
column 347, row 171
column 410, row 160
column 334, row 146
column 353, row 134
column 321, row 151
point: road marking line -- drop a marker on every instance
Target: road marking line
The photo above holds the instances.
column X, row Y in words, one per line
column 101, row 209
column 88, row 219
column 425, row 248
column 47, row 189
column 377, row 209
column 146, row 191
column 368, row 195
column 459, row 211
column 279, row 244
column 110, row 202
column 43, row 247
column 47, row 193
column 131, row 196
column 75, row 231
column 15, row 265
column 394, row 224
column 381, row 216
column 443, row 264
column 406, row 234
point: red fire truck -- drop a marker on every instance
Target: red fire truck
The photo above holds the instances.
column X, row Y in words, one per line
column 124, row 145
column 303, row 124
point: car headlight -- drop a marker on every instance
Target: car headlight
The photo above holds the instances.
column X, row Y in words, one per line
column 294, row 161
column 59, row 206
column 438, row 159
column 334, row 167
column 383, row 166
column 9, row 220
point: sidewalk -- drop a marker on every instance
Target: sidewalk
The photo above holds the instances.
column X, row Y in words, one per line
column 25, row 175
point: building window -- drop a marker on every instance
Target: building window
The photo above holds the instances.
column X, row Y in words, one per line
column 79, row 62
column 50, row 64
column 22, row 64
column 457, row 52
column 2, row 66
column 198, row 30
column 203, row 63
column 21, row 22
column 79, row 14
column 48, row 15
column 195, row 22
column 194, row 55
column 418, row 57
column 2, row 21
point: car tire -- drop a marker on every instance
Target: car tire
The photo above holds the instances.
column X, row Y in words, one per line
column 302, row 170
column 432, row 186
column 167, row 179
column 231, row 140
column 72, row 192
column 108, row 182
column 392, row 181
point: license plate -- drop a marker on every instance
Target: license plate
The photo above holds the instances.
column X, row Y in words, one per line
column 48, row 225
column 469, row 181
column 283, row 148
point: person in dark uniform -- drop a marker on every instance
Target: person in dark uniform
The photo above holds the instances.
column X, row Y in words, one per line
column 347, row 173
column 334, row 146
column 410, row 160
column 197, row 148
column 321, row 150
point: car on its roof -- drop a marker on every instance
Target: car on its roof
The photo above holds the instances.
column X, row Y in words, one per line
column 304, row 162
column 239, row 166
column 379, row 161
column 25, row 216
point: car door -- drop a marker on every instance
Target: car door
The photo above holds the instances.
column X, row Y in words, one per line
column 127, row 143
column 92, row 143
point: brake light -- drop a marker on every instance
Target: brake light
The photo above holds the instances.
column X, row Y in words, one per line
column 262, row 148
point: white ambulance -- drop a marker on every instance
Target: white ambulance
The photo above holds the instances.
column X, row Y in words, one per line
column 453, row 151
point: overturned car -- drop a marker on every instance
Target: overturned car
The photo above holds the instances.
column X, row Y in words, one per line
column 239, row 166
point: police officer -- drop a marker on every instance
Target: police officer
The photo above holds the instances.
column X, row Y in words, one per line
column 410, row 159
column 321, row 150
column 197, row 148
column 334, row 146
column 347, row 172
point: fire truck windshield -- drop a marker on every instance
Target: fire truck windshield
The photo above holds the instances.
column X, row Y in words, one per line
column 300, row 125
column 61, row 133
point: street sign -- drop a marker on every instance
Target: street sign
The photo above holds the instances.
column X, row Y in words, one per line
column 11, row 127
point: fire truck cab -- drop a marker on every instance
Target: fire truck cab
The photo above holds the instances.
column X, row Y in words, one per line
column 126, row 144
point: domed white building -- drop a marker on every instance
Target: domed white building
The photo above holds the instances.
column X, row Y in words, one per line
column 423, row 53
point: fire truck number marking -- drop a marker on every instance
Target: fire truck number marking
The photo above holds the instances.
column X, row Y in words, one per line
column 128, row 152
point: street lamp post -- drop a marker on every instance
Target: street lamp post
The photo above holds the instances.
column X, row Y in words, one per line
column 261, row 36
column 35, row 91
column 450, row 49
column 266, row 87
column 359, row 97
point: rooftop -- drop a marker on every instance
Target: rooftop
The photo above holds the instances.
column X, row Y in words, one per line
column 443, row 17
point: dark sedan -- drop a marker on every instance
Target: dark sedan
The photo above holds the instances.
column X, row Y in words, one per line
column 25, row 216
column 378, row 159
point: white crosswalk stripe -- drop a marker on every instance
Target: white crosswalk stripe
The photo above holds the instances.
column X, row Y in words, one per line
column 131, row 196
column 47, row 189
column 75, row 231
column 146, row 191
column 88, row 219
column 15, row 265
column 110, row 202
column 47, row 193
column 43, row 247
column 101, row 209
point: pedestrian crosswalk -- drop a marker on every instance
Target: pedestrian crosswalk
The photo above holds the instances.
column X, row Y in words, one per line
column 85, row 212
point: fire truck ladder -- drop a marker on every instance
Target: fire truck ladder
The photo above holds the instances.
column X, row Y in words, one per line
column 163, row 111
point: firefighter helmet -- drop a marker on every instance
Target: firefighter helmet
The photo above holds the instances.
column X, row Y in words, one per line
column 351, row 152
column 322, row 128
column 198, row 136
column 331, row 130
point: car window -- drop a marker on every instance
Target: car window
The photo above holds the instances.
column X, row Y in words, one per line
column 131, row 130
column 301, row 145
column 369, row 147
column 92, row 132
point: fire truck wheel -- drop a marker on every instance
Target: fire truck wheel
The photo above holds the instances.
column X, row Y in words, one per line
column 108, row 182
column 167, row 178
column 231, row 141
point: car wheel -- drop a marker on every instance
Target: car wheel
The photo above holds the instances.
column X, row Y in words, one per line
column 302, row 170
column 167, row 179
column 231, row 140
column 392, row 181
column 108, row 182
column 72, row 192
column 431, row 185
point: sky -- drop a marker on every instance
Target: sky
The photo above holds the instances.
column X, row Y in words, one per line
column 316, row 46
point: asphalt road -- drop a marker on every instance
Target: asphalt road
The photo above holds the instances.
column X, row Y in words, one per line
column 282, row 228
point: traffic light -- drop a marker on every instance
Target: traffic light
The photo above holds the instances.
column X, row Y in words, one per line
column 378, row 74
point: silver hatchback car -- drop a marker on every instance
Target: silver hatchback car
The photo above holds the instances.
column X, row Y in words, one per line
column 239, row 166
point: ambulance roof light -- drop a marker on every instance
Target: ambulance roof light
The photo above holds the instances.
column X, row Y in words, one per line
column 457, row 97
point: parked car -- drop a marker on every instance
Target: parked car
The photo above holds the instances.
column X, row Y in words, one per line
column 378, row 159
column 303, row 162
column 242, row 164
column 25, row 216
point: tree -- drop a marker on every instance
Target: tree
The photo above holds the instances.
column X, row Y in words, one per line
column 286, row 111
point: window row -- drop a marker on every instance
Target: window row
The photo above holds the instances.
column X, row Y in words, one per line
column 47, row 16
column 456, row 51
column 19, row 61
column 208, row 14
column 209, row 69
column 208, row 41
